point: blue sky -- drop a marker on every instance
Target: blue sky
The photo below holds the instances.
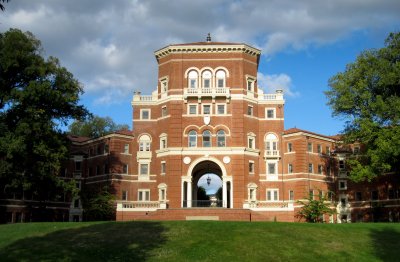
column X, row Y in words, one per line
column 109, row 45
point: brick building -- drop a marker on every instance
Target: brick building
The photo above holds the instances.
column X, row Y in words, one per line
column 208, row 116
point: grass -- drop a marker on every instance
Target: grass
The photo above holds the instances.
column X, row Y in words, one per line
column 199, row 241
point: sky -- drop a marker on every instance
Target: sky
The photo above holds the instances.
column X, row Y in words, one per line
column 109, row 45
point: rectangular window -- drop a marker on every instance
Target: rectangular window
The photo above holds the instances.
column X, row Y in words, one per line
column 124, row 195
column 310, row 168
column 163, row 168
column 270, row 113
column 342, row 184
column 272, row 195
column 163, row 194
column 309, row 147
column 290, row 168
column 250, row 110
column 328, row 150
column 192, row 109
column 144, row 146
column 319, row 149
column 251, row 142
column 250, row 85
column 221, row 109
column 291, row 195
column 358, row 196
column 163, row 143
column 341, row 164
column 125, row 169
column 126, row 149
column 78, row 166
column 164, row 111
column 143, row 195
column 220, row 82
column 144, row 114
column 320, row 169
column 76, row 203
column 374, row 195
column 144, row 169
column 272, row 168
column 193, row 83
column 289, row 147
column 206, row 83
column 251, row 167
column 206, row 109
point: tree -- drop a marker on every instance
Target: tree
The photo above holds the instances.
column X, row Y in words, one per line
column 1, row 5
column 98, row 204
column 95, row 126
column 37, row 98
column 314, row 209
column 366, row 95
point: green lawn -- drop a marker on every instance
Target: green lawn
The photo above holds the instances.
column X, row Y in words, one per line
column 199, row 241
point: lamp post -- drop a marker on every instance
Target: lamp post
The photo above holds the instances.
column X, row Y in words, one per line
column 208, row 180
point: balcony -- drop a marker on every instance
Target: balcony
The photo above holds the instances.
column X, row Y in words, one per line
column 207, row 91
column 271, row 154
column 144, row 154
column 268, row 205
column 140, row 205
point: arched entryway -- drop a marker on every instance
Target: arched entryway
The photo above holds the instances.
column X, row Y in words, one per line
column 207, row 175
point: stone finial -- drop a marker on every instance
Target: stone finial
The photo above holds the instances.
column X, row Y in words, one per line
column 208, row 39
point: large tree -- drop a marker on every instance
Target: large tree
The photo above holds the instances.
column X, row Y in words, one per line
column 37, row 99
column 1, row 5
column 366, row 95
column 95, row 126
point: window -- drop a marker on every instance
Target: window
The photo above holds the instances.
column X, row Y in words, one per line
column 144, row 143
column 206, row 109
column 356, row 150
column 193, row 79
column 251, row 142
column 252, row 192
column 290, row 168
column 144, row 169
column 163, row 168
column 320, row 169
column 125, row 169
column 221, row 109
column 124, row 195
column 162, row 194
column 374, row 195
column 341, row 164
column 220, row 75
column 126, row 149
column 289, row 147
column 192, row 109
column 328, row 170
column 144, row 114
column 76, row 203
column 250, row 83
column 221, row 138
column 330, row 196
column 250, row 110
column 78, row 166
column 291, row 195
column 163, row 141
column 106, row 149
column 319, row 149
column 206, row 138
column 310, row 168
column 164, row 111
column 98, row 170
column 358, row 196
column 192, row 138
column 328, row 150
column 342, row 184
column 272, row 195
column 143, row 195
column 206, row 79
column 251, row 167
column 270, row 113
column 271, row 145
column 309, row 147
column 271, row 168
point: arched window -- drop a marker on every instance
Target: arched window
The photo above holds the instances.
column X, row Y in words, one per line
column 271, row 145
column 144, row 143
column 193, row 76
column 207, row 138
column 220, row 75
column 192, row 138
column 206, row 76
column 221, row 138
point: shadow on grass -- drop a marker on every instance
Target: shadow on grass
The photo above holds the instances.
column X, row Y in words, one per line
column 130, row 241
column 386, row 243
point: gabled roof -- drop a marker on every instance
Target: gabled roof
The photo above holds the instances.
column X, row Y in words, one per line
column 295, row 130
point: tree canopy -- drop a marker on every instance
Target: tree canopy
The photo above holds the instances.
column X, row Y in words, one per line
column 1, row 5
column 366, row 95
column 313, row 210
column 37, row 98
column 95, row 126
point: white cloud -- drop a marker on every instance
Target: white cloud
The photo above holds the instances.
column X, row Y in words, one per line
column 271, row 83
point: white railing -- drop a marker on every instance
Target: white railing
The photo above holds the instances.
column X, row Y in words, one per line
column 268, row 205
column 271, row 153
column 207, row 91
column 146, row 98
column 271, row 97
column 140, row 205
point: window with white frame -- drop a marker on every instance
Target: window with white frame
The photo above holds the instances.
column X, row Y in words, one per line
column 342, row 184
column 249, row 110
column 310, row 168
column 125, row 169
column 320, row 169
column 291, row 195
column 206, row 109
column 126, row 149
column 193, row 76
column 221, row 138
column 271, row 145
column 206, row 138
column 309, row 147
column 328, row 150
column 221, row 109
column 270, row 112
column 206, row 76
column 250, row 81
column 145, row 114
column 251, row 167
column 252, row 192
column 192, row 139
column 290, row 168
column 163, row 167
column 272, row 195
column 164, row 111
column 144, row 195
column 220, row 78
column 124, row 196
column 144, row 169
column 162, row 192
column 163, row 141
column 144, row 143
column 289, row 147
column 251, row 140
column 319, row 149
column 192, row 109
column 271, row 168
column 341, row 164
column 164, row 84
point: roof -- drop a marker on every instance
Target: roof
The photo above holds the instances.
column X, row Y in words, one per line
column 295, row 130
column 124, row 132
column 78, row 139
